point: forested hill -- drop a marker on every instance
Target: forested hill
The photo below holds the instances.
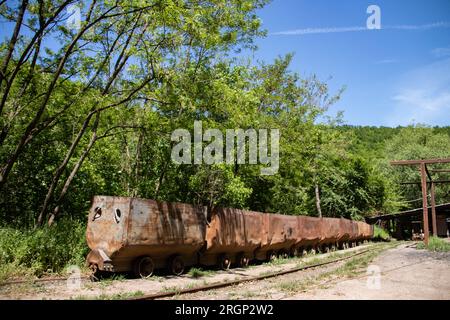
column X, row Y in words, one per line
column 91, row 109
column 371, row 138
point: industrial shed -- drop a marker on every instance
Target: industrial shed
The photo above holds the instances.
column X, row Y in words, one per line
column 405, row 224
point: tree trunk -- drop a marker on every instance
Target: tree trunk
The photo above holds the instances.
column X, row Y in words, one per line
column 319, row 211
column 12, row 42
column 74, row 171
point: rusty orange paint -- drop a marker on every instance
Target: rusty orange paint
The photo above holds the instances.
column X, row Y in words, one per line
column 122, row 229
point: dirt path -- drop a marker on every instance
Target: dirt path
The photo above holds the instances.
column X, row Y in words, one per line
column 406, row 273
column 123, row 288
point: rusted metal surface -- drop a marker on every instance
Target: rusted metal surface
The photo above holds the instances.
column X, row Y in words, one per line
column 282, row 233
column 127, row 232
column 345, row 227
column 433, row 210
column 232, row 231
column 309, row 230
column 330, row 231
column 127, row 228
column 365, row 231
column 423, row 161
column 424, row 202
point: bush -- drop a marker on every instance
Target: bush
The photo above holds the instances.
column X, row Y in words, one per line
column 198, row 272
column 435, row 244
column 380, row 234
column 44, row 250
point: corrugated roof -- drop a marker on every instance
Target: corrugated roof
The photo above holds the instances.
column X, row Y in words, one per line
column 439, row 209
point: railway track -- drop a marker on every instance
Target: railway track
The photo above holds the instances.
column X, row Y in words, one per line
column 53, row 279
column 212, row 286
column 196, row 289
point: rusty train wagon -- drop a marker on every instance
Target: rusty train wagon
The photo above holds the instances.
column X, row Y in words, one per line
column 131, row 234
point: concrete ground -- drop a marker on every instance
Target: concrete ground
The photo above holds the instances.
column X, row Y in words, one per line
column 397, row 274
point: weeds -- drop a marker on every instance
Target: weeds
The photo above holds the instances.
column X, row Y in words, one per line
column 116, row 296
column 198, row 272
column 354, row 266
column 380, row 234
column 173, row 289
column 43, row 251
column 435, row 244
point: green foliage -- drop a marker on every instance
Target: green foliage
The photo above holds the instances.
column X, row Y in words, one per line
column 46, row 250
column 435, row 244
column 417, row 142
column 102, row 124
column 380, row 234
column 217, row 185
column 199, row 272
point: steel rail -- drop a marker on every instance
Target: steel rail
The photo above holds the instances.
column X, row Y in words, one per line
column 54, row 279
column 234, row 282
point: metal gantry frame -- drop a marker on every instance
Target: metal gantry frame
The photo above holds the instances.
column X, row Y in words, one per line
column 424, row 172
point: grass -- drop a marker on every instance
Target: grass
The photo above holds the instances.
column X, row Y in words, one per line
column 198, row 272
column 280, row 261
column 248, row 294
column 191, row 285
column 116, row 296
column 109, row 281
column 435, row 244
column 353, row 267
column 171, row 289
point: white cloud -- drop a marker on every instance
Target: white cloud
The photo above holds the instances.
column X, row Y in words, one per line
column 441, row 52
column 299, row 32
column 423, row 96
column 318, row 30
column 434, row 25
column 386, row 61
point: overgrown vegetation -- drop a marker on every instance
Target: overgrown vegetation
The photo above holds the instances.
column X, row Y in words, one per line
column 199, row 272
column 91, row 111
column 42, row 251
column 116, row 296
column 351, row 268
column 380, row 234
column 435, row 244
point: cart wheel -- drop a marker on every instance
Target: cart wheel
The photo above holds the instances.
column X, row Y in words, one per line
column 295, row 252
column 243, row 260
column 95, row 273
column 224, row 262
column 176, row 265
column 143, row 267
column 271, row 255
column 282, row 254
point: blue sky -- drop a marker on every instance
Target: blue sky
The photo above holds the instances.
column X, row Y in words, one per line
column 397, row 75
